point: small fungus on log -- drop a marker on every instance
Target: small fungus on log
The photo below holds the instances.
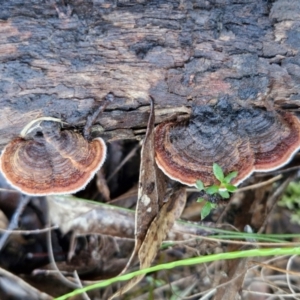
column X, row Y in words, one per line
column 51, row 161
column 237, row 138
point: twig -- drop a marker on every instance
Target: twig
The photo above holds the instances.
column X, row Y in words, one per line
column 9, row 190
column 128, row 156
column 16, row 283
column 66, row 281
column 270, row 244
column 273, row 199
column 29, row 127
column 84, row 294
column 27, row 232
column 93, row 117
column 280, row 171
column 288, row 273
column 260, row 184
column 14, row 220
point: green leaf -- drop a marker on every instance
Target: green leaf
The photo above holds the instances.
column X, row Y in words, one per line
column 230, row 176
column 218, row 172
column 200, row 200
column 199, row 185
column 230, row 188
column 212, row 189
column 224, row 194
column 206, row 209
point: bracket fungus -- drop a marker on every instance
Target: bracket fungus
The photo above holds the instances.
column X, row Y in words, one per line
column 237, row 138
column 51, row 161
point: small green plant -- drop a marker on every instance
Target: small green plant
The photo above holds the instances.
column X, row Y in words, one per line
column 207, row 208
column 291, row 200
column 222, row 189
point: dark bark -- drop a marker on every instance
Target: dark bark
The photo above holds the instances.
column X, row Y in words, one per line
column 60, row 59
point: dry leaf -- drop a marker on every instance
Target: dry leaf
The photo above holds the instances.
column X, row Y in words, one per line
column 148, row 198
column 147, row 203
column 160, row 226
column 155, row 215
column 87, row 217
column 14, row 287
column 156, row 233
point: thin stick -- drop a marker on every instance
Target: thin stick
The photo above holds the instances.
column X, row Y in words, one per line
column 260, row 184
column 128, row 156
column 28, row 128
column 93, row 117
column 15, row 283
column 14, row 220
column 280, row 171
column 283, row 244
column 84, row 295
column 9, row 190
column 66, row 281
column 273, row 200
column 27, row 232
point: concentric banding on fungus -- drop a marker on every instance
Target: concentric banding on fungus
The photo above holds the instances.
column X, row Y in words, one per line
column 243, row 140
column 56, row 162
column 272, row 155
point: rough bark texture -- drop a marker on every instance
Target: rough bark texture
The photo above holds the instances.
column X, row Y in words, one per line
column 59, row 59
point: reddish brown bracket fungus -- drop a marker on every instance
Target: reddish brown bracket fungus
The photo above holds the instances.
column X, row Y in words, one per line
column 238, row 139
column 51, row 161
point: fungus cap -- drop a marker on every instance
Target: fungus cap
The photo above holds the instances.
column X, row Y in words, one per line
column 238, row 139
column 52, row 161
